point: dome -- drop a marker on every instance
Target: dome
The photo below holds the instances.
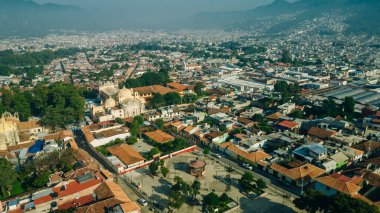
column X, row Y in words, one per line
column 197, row 164
column 110, row 102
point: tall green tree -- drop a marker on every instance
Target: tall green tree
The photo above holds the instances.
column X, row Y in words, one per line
column 195, row 187
column 349, row 106
column 198, row 88
column 164, row 171
column 172, row 98
column 153, row 168
column 211, row 201
column 157, row 100
column 246, row 181
column 160, row 123
column 135, row 128
column 8, row 176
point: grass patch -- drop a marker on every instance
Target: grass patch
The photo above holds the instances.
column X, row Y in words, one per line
column 16, row 190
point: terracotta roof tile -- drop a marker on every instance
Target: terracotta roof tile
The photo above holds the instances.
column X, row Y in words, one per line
column 153, row 89
column 253, row 157
column 367, row 146
column 275, row 116
column 339, row 185
column 159, row 136
column 177, row 86
column 304, row 171
column 320, row 133
column 126, row 154
column 288, row 124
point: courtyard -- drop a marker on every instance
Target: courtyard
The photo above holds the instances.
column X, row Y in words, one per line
column 216, row 179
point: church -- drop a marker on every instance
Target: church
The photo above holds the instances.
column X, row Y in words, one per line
column 117, row 103
column 15, row 134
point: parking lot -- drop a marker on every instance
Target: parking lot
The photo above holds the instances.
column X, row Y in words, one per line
column 157, row 188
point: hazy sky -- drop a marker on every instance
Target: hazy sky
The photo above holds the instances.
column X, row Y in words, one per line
column 185, row 6
column 155, row 12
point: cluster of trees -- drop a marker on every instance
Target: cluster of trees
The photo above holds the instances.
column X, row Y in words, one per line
column 180, row 191
column 158, row 166
column 170, row 98
column 330, row 108
column 287, row 91
column 106, row 73
column 151, row 78
column 34, row 174
column 212, row 201
column 57, row 105
column 261, row 123
column 286, row 57
column 314, row 201
column 248, row 184
column 103, row 149
column 173, row 146
column 11, row 61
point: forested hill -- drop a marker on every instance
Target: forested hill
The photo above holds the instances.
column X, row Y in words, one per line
column 27, row 18
column 361, row 16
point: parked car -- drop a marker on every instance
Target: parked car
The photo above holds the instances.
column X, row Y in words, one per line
column 247, row 166
column 218, row 156
column 142, row 202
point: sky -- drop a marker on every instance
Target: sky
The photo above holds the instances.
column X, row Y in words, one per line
column 184, row 7
column 156, row 12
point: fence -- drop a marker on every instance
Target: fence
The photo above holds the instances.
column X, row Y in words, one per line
column 189, row 149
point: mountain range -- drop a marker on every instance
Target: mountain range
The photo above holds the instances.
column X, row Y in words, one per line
column 360, row 16
column 25, row 18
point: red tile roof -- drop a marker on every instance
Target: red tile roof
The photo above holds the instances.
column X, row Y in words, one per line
column 71, row 188
column 378, row 114
column 159, row 136
column 320, row 133
column 288, row 124
column 77, row 202
column 126, row 154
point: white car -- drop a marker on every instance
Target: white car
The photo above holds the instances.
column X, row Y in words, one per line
column 142, row 202
column 218, row 156
column 247, row 166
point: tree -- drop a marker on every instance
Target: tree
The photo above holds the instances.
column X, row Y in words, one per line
column 260, row 184
column 224, row 198
column 164, row 171
column 131, row 140
column 135, row 128
column 195, row 187
column 297, row 114
column 115, row 66
column 160, row 123
column 119, row 121
column 7, row 175
column 198, row 88
column 281, row 86
column 41, row 179
column 157, row 100
column 178, row 192
column 153, row 168
column 315, row 201
column 153, row 152
column 172, row 98
column 22, row 106
column 206, row 151
column 246, row 181
column 349, row 106
column 286, row 57
column 211, row 200
column 139, row 119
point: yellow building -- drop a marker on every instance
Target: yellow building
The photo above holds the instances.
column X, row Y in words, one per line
column 15, row 133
